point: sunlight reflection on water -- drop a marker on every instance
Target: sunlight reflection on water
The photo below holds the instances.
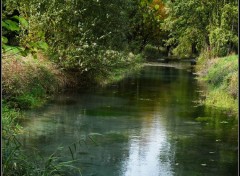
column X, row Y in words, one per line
column 145, row 151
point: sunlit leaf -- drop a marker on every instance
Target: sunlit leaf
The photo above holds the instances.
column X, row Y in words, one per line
column 11, row 25
column 12, row 49
column 156, row 7
column 22, row 21
column 42, row 45
column 4, row 40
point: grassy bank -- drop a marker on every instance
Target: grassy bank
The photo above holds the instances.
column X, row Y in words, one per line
column 221, row 74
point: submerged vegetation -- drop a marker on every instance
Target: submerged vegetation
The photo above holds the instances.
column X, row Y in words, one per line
column 48, row 46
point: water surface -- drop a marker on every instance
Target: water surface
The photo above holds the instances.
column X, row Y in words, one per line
column 145, row 125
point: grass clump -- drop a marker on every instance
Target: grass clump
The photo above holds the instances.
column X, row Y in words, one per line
column 221, row 99
column 222, row 71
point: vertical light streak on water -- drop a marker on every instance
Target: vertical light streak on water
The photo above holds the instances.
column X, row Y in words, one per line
column 145, row 151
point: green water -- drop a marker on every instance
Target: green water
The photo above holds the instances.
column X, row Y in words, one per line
column 145, row 125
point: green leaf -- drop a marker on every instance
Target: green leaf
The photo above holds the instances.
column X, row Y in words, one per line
column 156, row 7
column 25, row 52
column 34, row 56
column 22, row 21
column 12, row 49
column 4, row 24
column 4, row 40
column 33, row 44
column 42, row 45
column 11, row 25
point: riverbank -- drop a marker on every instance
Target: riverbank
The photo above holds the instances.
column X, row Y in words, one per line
column 26, row 83
column 29, row 83
column 221, row 75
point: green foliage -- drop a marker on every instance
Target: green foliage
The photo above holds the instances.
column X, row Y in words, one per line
column 83, row 45
column 113, row 70
column 17, row 32
column 4, row 40
column 210, row 24
column 11, row 25
column 26, row 101
column 224, row 38
column 9, row 117
column 221, row 99
column 12, row 50
column 23, row 22
column 187, row 27
column 219, row 73
column 146, row 18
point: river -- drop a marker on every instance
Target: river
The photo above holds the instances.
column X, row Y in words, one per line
column 148, row 124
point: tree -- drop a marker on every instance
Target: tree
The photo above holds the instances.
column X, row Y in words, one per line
column 146, row 19
column 205, row 24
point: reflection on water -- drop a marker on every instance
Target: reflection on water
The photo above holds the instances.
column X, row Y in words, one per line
column 148, row 152
column 144, row 125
